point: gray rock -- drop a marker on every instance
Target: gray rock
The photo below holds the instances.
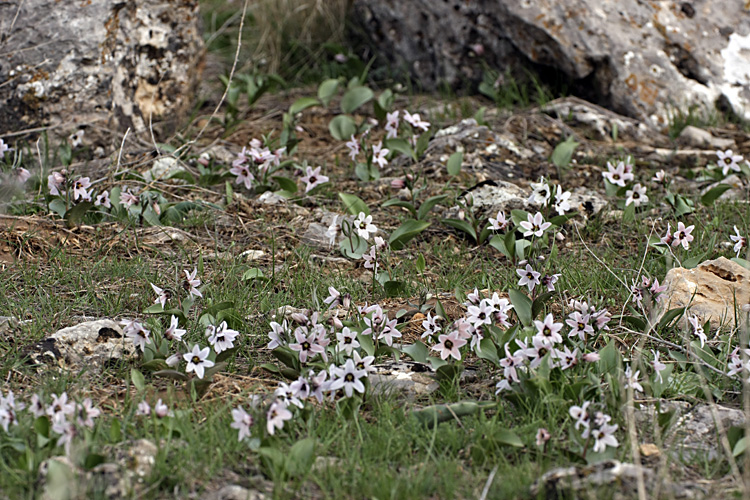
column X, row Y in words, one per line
column 599, row 123
column 699, row 138
column 102, row 66
column 641, row 59
column 93, row 345
column 609, row 479
column 407, row 379
column 234, row 492
column 325, row 232
column 123, row 478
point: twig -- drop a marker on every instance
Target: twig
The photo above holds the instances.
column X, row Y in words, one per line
column 487, row 485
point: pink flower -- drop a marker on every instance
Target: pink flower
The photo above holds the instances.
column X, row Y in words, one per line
column 353, row 146
column 379, row 153
column 448, row 345
column 80, row 187
column 535, row 225
column 682, row 236
column 313, row 178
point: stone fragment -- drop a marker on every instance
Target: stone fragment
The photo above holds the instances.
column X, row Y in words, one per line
column 101, row 67
column 699, row 138
column 325, row 232
column 125, row 477
column 234, row 492
column 408, row 379
column 599, row 123
column 163, row 169
column 93, row 345
column 641, row 59
column 609, row 479
column 711, row 291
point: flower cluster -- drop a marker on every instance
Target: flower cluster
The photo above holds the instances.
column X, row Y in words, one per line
column 547, row 344
column 552, row 196
column 68, row 418
column 255, row 162
column 601, row 431
column 681, row 236
column 621, row 175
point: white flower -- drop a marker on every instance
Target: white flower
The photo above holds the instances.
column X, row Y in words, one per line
column 618, row 175
column 500, row 223
column 162, row 296
column 242, row 421
column 353, row 145
column 102, row 200
column 631, row 379
column 80, row 187
column 449, row 345
column 391, row 125
column 562, row 204
column 174, row 333
column 657, row 365
column 603, row 437
column 221, row 337
column 276, row 416
column 728, row 161
column 3, row 148
column 138, row 333
column 347, row 339
column 379, row 153
column 347, row 377
column 278, row 334
column 535, row 225
column 415, row 121
column 682, row 236
column 541, row 192
column 161, row 410
column 529, row 277
column 197, row 360
column 581, row 414
column 548, row 330
column 697, row 328
column 636, row 196
column 364, row 226
column 542, row 436
column 192, row 283
column 143, row 409
column 313, row 178
column 739, row 241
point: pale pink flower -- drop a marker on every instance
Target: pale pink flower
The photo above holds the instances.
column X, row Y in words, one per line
column 313, row 178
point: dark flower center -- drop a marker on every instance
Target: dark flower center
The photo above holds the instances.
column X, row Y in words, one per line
column 196, row 360
column 349, row 377
column 448, row 344
column 306, row 346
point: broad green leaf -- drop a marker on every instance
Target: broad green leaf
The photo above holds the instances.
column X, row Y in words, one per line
column 253, row 274
column 559, row 220
column 417, row 351
column 92, row 460
column 682, row 206
column 171, row 374
column 423, row 142
column 498, row 242
column 461, row 225
column 74, row 216
column 385, row 99
column 353, row 247
column 488, row 351
column 740, row 447
column 150, row 216
column 342, row 127
column 400, row 146
column 563, row 152
column 395, row 202
column 713, row 193
column 628, row 215
column 509, row 438
column 42, row 426
column 355, row 98
column 365, row 341
column 327, row 90
column 454, row 163
column 669, row 316
column 155, row 365
column 609, row 359
column 138, row 380
column 744, row 263
column 58, row 206
column 115, row 430
column 420, row 264
column 406, row 232
column 302, row 104
column 435, row 414
column 285, row 183
column 522, row 305
column 428, row 205
column 301, row 457
column 353, row 204
column 270, row 368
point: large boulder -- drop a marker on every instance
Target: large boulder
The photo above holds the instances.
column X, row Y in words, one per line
column 102, row 66
column 642, row 59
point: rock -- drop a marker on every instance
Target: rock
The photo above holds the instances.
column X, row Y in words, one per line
column 102, row 67
column 710, row 290
column 609, row 479
column 326, row 232
column 641, row 59
column 271, row 198
column 163, row 169
column 736, row 192
column 235, row 492
column 597, row 122
column 253, row 255
column 93, row 345
column 124, row 478
column 698, row 138
column 693, row 433
column 408, row 379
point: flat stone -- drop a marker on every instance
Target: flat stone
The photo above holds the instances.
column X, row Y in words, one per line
column 599, row 122
column 699, row 138
column 92, row 345
column 711, row 290
column 408, row 379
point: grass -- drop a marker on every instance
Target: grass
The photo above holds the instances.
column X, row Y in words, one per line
column 372, row 447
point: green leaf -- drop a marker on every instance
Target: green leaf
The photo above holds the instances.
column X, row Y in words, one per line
column 155, row 365
column 385, row 99
column 422, row 143
column 461, row 225
column 353, row 247
column 355, row 98
column 395, row 202
column 609, row 359
column 406, row 232
column 488, row 351
column 301, row 457
column 362, row 171
column 253, row 274
column 417, row 351
column 353, row 204
column 150, row 216
column 498, row 242
column 713, row 193
column 74, row 216
column 394, row 288
column 42, row 426
column 57, row 205
column 286, row 356
column 454, row 163
column 302, row 104
column 92, row 460
column 327, row 89
column 669, row 316
column 740, row 446
column 171, row 374
column 563, row 152
column 522, row 305
column 270, row 368
column 682, row 206
column 400, row 146
column 342, row 127
column 420, row 264
column 428, row 205
column 508, row 438
column 538, row 304
column 628, row 215
column 138, row 379
column 435, row 414
column 285, row 183
column 115, row 430
column 744, row 263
